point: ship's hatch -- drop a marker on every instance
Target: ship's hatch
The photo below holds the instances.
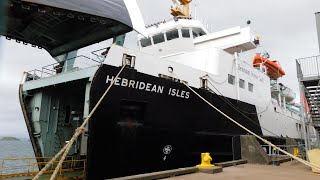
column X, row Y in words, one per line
column 61, row 26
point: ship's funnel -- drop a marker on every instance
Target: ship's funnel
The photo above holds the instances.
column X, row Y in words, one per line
column 61, row 26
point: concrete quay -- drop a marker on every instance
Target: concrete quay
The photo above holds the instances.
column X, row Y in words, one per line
column 290, row 170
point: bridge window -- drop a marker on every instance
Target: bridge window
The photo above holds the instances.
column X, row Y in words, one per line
column 159, row 38
column 185, row 33
column 197, row 32
column 231, row 79
column 173, row 34
column 194, row 34
column 145, row 42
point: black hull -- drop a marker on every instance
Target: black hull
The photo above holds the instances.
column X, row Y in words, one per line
column 131, row 127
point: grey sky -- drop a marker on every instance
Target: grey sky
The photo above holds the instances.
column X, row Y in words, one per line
column 286, row 27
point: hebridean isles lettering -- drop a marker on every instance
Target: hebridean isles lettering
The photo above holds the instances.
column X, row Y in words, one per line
column 146, row 86
column 135, row 84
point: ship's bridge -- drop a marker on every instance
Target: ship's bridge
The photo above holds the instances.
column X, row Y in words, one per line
column 184, row 34
column 170, row 37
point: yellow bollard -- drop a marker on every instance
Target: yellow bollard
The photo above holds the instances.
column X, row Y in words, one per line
column 205, row 161
column 296, row 151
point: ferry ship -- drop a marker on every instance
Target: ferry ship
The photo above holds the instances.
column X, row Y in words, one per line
column 150, row 120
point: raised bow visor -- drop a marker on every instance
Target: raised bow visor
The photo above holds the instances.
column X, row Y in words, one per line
column 61, row 26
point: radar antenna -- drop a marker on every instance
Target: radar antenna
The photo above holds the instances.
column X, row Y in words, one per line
column 176, row 10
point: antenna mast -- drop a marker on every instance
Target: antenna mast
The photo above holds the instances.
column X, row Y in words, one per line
column 195, row 9
column 176, row 11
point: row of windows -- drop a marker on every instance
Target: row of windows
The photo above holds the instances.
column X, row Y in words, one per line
column 242, row 83
column 170, row 35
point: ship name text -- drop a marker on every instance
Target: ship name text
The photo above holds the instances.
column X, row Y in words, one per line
column 250, row 73
column 147, row 87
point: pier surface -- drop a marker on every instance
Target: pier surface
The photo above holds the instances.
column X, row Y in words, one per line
column 285, row 171
column 233, row 170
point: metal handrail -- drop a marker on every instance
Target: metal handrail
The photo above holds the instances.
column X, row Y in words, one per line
column 72, row 59
column 31, row 168
column 307, row 67
column 94, row 52
column 276, row 152
column 51, row 69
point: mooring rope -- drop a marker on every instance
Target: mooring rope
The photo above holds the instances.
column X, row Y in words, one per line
column 79, row 130
column 249, row 131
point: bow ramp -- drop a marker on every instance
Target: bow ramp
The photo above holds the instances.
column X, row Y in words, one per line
column 61, row 26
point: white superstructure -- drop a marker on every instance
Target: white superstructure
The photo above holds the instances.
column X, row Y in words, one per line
column 209, row 59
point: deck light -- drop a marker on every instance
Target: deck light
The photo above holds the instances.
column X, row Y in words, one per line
column 42, row 10
column 81, row 18
column 56, row 13
column 70, row 15
column 25, row 7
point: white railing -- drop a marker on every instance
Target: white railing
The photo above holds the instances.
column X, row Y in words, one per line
column 72, row 64
column 308, row 67
column 276, row 153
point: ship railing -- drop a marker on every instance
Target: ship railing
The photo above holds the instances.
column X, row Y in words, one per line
column 101, row 54
column 316, row 124
column 16, row 167
column 308, row 67
column 289, row 148
column 68, row 65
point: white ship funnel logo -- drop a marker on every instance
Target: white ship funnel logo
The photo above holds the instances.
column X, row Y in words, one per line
column 167, row 149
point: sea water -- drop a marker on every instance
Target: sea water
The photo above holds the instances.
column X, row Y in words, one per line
column 16, row 156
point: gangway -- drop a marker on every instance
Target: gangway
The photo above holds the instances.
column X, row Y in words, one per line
column 308, row 73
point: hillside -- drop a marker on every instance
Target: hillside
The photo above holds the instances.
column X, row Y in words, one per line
column 6, row 138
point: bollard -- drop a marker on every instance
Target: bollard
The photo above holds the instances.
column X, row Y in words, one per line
column 205, row 161
column 206, row 166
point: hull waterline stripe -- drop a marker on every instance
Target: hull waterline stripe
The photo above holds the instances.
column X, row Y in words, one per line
column 254, row 134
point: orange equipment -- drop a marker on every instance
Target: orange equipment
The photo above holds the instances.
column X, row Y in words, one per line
column 273, row 68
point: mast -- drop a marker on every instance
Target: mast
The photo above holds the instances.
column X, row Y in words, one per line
column 318, row 26
column 185, row 12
